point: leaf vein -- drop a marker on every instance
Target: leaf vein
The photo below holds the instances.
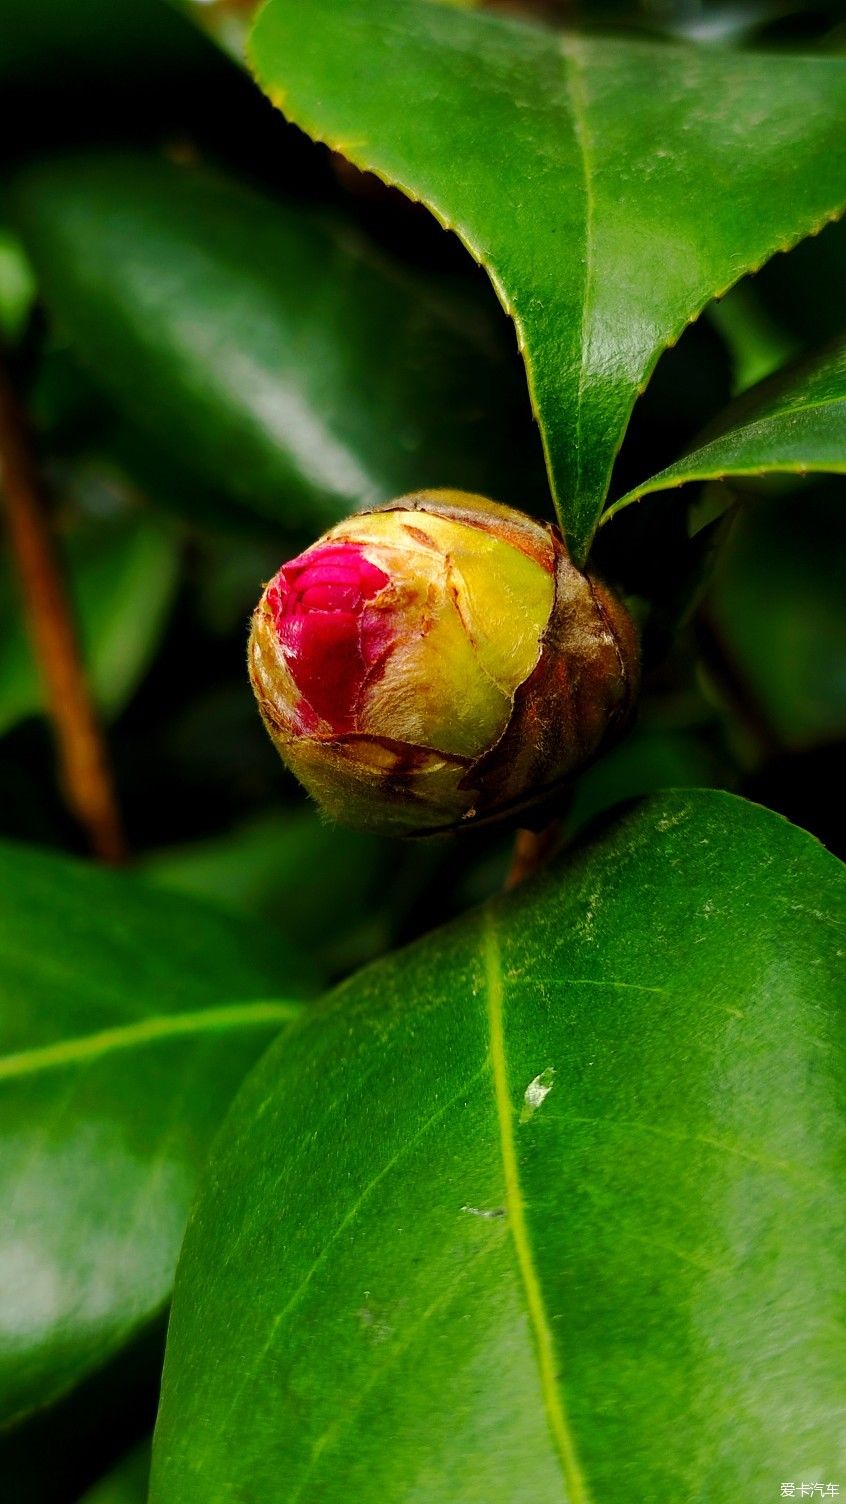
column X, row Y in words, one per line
column 578, row 109
column 332, row 1432
column 559, row 1425
column 90, row 1047
column 349, row 1217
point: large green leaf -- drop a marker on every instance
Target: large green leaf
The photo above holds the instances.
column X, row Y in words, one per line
column 610, row 188
column 122, row 576
column 549, row 1206
column 273, row 350
column 792, row 423
column 128, row 1018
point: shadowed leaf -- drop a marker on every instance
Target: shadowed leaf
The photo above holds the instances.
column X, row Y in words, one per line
column 792, row 423
column 128, row 1019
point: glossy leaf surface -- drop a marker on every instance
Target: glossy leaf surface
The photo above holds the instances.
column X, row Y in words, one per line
column 128, row 1019
column 610, row 188
column 530, row 1210
column 792, row 423
column 275, row 352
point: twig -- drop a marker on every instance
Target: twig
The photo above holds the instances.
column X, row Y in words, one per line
column 83, row 762
column 532, row 849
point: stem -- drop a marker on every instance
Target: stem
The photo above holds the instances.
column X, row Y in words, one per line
column 84, row 770
column 532, row 850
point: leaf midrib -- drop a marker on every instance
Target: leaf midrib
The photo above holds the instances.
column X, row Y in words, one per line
column 547, row 1360
column 90, row 1047
column 578, row 110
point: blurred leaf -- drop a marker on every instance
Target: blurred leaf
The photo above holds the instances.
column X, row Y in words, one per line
column 118, row 38
column 227, row 22
column 123, row 575
column 325, row 888
column 609, row 188
column 274, row 351
column 90, row 1428
column 757, row 343
column 777, row 604
column 548, row 1206
column 128, row 1019
column 649, row 760
column 806, row 291
column 127, row 1484
column 17, row 286
column 83, row 438
column 793, row 423
column 714, row 23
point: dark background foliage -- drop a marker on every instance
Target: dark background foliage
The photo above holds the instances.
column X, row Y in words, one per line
column 166, row 551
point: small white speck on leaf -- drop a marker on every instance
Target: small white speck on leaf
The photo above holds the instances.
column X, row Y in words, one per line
column 537, row 1092
column 377, row 1329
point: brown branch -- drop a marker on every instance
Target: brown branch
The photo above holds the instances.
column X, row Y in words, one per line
column 83, row 763
column 532, row 850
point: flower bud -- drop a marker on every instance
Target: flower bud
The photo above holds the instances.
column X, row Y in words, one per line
column 438, row 662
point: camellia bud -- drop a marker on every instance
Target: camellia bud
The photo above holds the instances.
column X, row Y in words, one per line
column 438, row 662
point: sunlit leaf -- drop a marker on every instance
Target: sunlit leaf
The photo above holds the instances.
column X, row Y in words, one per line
column 549, row 1206
column 610, row 188
column 271, row 349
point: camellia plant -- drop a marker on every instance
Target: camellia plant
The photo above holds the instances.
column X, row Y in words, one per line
column 458, row 1120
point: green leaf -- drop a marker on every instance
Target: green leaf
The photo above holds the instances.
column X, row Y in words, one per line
column 777, row 606
column 273, row 350
column 609, row 188
column 649, row 760
column 806, row 291
column 128, row 1019
column 792, row 423
column 548, row 1206
column 127, row 1484
column 92, row 44
column 343, row 920
column 17, row 286
column 756, row 341
column 226, row 22
column 122, row 576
